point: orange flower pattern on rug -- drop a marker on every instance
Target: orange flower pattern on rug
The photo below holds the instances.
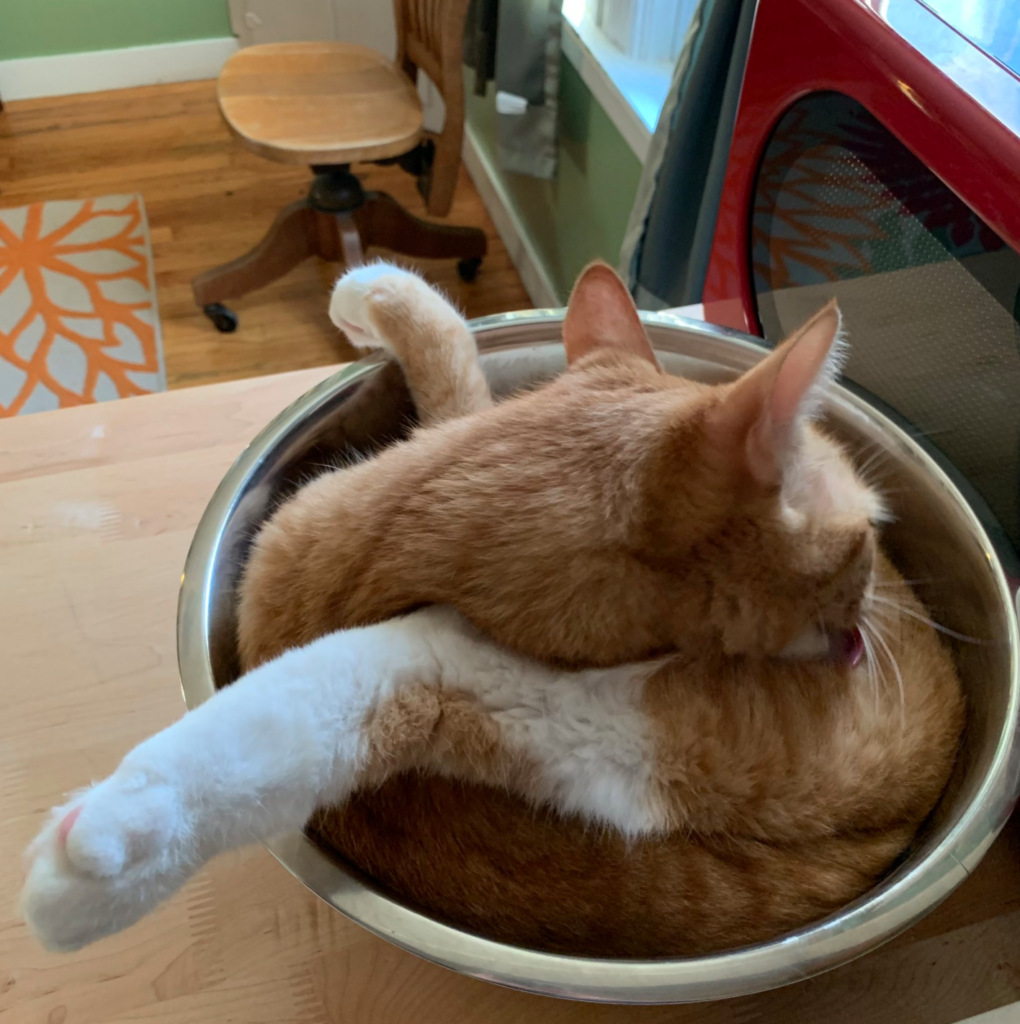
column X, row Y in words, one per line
column 78, row 319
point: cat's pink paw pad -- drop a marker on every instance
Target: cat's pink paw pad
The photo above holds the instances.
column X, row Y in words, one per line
column 66, row 824
column 102, row 860
column 52, row 837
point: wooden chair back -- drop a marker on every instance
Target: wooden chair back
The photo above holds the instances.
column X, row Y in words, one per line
column 430, row 36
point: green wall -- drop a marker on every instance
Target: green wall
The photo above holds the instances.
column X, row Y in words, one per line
column 583, row 213
column 37, row 28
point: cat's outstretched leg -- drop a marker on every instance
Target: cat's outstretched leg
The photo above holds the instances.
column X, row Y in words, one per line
column 250, row 763
column 383, row 306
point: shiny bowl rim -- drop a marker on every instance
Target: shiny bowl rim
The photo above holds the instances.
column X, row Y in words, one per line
column 874, row 918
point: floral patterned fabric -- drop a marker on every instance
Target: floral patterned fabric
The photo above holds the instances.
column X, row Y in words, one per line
column 929, row 292
column 839, row 197
column 78, row 318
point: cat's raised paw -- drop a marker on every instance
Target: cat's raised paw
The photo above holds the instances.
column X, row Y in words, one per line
column 104, row 859
column 349, row 306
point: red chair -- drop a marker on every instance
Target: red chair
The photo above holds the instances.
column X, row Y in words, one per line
column 876, row 157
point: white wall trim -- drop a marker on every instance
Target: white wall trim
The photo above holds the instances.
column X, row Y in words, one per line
column 61, row 74
column 519, row 243
column 631, row 92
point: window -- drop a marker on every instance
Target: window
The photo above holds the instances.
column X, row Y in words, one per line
column 625, row 51
column 651, row 31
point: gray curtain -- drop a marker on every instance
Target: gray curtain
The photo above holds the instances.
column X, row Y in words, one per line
column 516, row 44
column 669, row 236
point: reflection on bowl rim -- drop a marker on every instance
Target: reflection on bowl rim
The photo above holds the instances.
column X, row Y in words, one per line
column 875, row 917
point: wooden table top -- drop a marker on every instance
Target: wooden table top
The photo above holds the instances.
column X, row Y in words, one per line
column 97, row 507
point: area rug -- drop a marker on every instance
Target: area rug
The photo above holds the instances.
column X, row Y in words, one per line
column 78, row 317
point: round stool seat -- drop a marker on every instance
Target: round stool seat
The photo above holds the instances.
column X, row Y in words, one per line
column 319, row 103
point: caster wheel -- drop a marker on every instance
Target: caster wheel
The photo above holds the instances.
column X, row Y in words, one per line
column 224, row 320
column 468, row 269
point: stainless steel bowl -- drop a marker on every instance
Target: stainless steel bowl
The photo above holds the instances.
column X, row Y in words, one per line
column 937, row 534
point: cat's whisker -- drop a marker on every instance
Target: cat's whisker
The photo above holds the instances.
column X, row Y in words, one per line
column 880, row 667
column 931, row 433
column 871, row 662
column 895, row 606
column 867, row 451
column 871, row 478
column 883, row 643
column 871, row 461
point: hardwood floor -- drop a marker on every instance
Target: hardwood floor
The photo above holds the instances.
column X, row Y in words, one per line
column 209, row 201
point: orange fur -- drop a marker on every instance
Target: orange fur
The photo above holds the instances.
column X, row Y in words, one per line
column 614, row 514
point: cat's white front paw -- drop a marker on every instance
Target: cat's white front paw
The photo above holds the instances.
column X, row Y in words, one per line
column 106, row 858
column 349, row 305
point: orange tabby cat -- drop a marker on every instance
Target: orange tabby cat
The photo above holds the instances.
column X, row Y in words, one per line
column 660, row 594
column 611, row 515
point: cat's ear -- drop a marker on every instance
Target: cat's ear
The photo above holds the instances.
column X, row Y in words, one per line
column 762, row 415
column 601, row 315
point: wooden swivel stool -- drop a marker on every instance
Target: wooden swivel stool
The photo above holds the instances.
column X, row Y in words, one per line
column 329, row 105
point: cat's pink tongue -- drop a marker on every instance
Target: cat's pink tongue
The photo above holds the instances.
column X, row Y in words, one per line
column 846, row 646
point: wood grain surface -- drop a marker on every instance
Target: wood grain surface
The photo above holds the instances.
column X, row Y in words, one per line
column 210, row 200
column 97, row 508
column 319, row 103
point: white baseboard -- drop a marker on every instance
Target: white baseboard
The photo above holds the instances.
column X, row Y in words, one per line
column 29, row 77
column 519, row 244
